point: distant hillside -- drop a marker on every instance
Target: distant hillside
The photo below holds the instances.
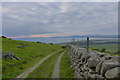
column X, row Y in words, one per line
column 91, row 36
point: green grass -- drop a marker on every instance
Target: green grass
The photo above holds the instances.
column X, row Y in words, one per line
column 108, row 47
column 95, row 44
column 0, row 59
column 45, row 70
column 65, row 70
column 111, row 53
column 30, row 55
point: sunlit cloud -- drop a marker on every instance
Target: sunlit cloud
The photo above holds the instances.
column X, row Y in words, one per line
column 43, row 35
column 31, row 36
column 17, row 37
column 40, row 35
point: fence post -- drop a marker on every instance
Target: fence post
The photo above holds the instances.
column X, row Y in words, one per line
column 88, row 44
column 73, row 41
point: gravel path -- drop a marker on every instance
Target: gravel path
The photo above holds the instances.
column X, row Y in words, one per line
column 56, row 72
column 27, row 72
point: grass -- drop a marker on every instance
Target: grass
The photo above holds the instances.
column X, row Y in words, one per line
column 111, row 53
column 108, row 47
column 30, row 55
column 111, row 45
column 100, row 44
column 0, row 59
column 45, row 70
column 65, row 67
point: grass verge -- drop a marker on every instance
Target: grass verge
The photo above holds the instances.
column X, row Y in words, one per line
column 65, row 67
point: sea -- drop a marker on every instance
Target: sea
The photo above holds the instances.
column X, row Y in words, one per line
column 59, row 40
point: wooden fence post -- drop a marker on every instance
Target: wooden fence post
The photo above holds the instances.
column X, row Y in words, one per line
column 73, row 41
column 88, row 44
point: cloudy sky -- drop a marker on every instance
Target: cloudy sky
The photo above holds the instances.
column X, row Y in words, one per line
column 51, row 19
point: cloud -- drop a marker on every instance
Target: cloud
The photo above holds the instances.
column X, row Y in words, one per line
column 65, row 7
column 60, row 1
column 59, row 19
column 31, row 36
column 42, row 35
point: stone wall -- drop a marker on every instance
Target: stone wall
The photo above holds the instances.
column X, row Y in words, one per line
column 93, row 64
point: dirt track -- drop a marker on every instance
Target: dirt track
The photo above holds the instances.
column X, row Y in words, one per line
column 29, row 70
column 56, row 72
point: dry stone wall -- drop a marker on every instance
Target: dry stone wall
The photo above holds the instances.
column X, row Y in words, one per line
column 93, row 64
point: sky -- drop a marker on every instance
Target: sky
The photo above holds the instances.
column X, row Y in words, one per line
column 54, row 19
column 59, row 0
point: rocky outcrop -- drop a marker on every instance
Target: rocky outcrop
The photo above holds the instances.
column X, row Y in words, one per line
column 21, row 46
column 93, row 64
column 10, row 55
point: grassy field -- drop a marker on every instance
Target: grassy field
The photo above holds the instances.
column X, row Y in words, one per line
column 30, row 55
column 65, row 67
column 45, row 70
column 110, row 45
column 0, row 58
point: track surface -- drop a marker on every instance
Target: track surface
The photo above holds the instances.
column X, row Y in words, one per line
column 56, row 72
column 27, row 72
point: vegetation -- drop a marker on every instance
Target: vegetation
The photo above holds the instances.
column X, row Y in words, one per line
column 108, row 47
column 65, row 67
column 45, row 70
column 30, row 54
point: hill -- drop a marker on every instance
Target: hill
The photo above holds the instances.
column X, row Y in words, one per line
column 28, row 54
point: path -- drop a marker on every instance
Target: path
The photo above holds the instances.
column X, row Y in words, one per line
column 27, row 72
column 56, row 72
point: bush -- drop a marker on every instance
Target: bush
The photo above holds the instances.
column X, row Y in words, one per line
column 102, row 50
column 63, row 47
column 51, row 43
column 3, row 37
column 38, row 42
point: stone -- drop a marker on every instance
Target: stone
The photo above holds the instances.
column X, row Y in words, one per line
column 85, row 57
column 108, row 65
column 92, row 63
column 98, row 67
column 113, row 73
column 108, row 57
column 17, row 58
column 92, row 71
column 10, row 53
column 78, row 75
column 116, row 58
column 85, row 75
column 21, row 46
column 96, row 76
